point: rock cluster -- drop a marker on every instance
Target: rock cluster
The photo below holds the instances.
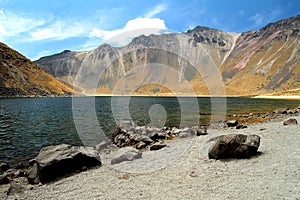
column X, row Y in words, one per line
column 141, row 137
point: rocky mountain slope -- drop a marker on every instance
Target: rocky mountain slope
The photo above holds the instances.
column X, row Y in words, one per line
column 21, row 77
column 267, row 60
column 201, row 61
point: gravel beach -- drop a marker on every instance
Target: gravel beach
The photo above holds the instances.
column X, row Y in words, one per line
column 182, row 170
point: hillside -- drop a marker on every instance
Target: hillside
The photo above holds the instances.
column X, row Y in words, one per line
column 21, row 77
column 201, row 61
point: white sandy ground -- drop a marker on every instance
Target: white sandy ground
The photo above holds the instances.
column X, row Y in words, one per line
column 277, row 97
column 275, row 174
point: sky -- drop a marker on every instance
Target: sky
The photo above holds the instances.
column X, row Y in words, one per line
column 39, row 28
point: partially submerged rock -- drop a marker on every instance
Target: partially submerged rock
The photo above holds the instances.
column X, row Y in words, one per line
column 234, row 146
column 126, row 154
column 56, row 161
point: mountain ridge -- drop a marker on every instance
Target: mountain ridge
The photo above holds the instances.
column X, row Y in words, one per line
column 258, row 62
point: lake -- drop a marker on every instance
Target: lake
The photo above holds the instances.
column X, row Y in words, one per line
column 28, row 124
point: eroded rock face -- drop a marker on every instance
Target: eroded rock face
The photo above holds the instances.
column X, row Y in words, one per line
column 234, row 146
column 56, row 161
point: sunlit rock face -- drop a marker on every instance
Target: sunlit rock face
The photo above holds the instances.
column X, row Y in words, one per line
column 251, row 63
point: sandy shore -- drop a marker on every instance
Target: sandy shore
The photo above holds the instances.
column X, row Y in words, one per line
column 274, row 174
column 278, row 97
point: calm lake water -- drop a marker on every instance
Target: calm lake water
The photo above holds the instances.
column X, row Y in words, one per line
column 28, row 124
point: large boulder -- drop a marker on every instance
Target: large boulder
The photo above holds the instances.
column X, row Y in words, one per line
column 234, row 146
column 56, row 161
column 126, row 154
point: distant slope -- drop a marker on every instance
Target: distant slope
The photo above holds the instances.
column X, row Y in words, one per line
column 266, row 61
column 21, row 77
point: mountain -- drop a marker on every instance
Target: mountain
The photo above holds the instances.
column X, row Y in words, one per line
column 266, row 61
column 201, row 61
column 21, row 77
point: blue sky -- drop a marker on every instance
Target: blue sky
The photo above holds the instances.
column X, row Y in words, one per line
column 37, row 28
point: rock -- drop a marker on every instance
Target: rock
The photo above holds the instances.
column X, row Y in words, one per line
column 33, row 174
column 4, row 179
column 185, row 134
column 175, row 131
column 126, row 154
column 286, row 111
column 15, row 188
column 122, row 140
column 3, row 167
column 200, row 130
column 241, row 126
column 60, row 160
column 141, row 145
column 232, row 123
column 144, row 138
column 19, row 173
column 234, row 146
column 290, row 121
column 126, row 124
column 103, row 145
column 11, row 173
column 139, row 129
column 155, row 136
column 156, row 147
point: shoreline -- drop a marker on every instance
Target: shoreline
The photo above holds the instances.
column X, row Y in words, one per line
column 283, row 97
column 273, row 173
column 277, row 97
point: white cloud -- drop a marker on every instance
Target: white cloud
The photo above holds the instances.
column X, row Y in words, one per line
column 133, row 28
column 156, row 10
column 257, row 19
column 61, row 29
column 12, row 25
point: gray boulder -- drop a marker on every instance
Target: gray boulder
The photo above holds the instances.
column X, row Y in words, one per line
column 56, row 161
column 33, row 174
column 126, row 154
column 290, row 121
column 234, row 146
